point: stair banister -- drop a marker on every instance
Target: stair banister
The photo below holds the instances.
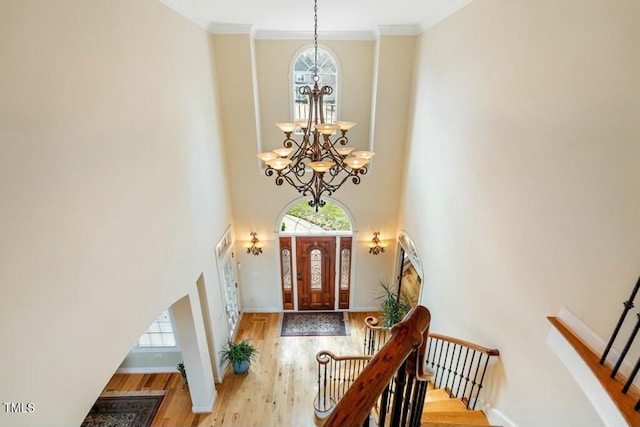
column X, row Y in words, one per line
column 406, row 341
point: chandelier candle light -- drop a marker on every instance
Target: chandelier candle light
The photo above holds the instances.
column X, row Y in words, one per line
column 332, row 163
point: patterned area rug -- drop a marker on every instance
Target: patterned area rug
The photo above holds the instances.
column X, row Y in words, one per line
column 313, row 324
column 130, row 410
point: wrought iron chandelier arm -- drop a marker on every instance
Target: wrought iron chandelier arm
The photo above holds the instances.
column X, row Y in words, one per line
column 329, row 165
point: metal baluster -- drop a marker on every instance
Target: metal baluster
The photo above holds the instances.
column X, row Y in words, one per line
column 418, row 406
column 398, row 394
column 384, row 405
column 627, row 346
column 407, row 399
column 464, row 364
column 449, row 358
column 430, row 346
column 456, row 373
column 474, row 383
column 466, row 384
column 484, row 371
column 438, row 365
column 628, row 305
column 632, row 377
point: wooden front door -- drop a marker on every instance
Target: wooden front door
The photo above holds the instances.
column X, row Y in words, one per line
column 316, row 270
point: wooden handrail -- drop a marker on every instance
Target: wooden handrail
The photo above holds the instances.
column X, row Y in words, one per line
column 373, row 322
column 324, row 356
column 406, row 337
column 485, row 350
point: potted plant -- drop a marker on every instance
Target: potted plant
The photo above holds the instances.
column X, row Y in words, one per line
column 238, row 355
column 393, row 307
column 183, row 372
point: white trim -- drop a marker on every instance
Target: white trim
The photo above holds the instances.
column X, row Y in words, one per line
column 498, row 418
column 586, row 380
column 371, row 308
column 595, row 341
column 148, row 370
column 205, row 409
column 263, row 309
column 224, row 28
column 399, row 30
column 424, row 27
column 308, row 35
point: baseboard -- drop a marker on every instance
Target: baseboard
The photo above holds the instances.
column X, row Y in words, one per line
column 152, row 370
column 205, row 409
column 262, row 310
column 376, row 308
column 585, row 378
column 498, row 418
column 595, row 341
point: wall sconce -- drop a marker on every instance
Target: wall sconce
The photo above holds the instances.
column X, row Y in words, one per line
column 376, row 245
column 254, row 246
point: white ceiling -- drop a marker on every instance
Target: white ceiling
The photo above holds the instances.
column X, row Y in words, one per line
column 285, row 16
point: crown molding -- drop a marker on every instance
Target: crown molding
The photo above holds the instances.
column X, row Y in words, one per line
column 223, row 28
column 308, row 35
column 399, row 30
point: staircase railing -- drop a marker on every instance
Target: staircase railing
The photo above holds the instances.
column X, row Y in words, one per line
column 459, row 366
column 375, row 335
column 335, row 375
column 628, row 382
column 400, row 359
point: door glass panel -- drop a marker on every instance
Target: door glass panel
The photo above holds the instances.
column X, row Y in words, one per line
column 316, row 269
column 345, row 256
column 231, row 295
column 286, row 269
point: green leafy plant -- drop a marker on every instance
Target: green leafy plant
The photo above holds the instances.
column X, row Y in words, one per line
column 183, row 372
column 393, row 307
column 237, row 355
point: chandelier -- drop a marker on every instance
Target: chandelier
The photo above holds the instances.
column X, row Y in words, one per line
column 322, row 146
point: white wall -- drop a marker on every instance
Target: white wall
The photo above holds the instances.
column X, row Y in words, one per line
column 113, row 190
column 256, row 72
column 523, row 182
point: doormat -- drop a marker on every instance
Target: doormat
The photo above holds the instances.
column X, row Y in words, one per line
column 124, row 410
column 314, row 324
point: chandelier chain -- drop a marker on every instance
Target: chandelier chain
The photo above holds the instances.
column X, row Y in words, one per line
column 321, row 161
column 315, row 40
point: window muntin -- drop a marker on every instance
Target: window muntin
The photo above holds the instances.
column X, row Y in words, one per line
column 303, row 71
column 159, row 334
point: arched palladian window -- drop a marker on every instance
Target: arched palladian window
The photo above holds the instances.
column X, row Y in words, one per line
column 302, row 75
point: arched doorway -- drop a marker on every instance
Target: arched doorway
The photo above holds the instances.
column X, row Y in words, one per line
column 315, row 256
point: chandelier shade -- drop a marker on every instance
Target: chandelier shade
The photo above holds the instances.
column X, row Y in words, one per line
column 319, row 161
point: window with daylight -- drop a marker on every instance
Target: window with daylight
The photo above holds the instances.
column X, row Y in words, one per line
column 303, row 70
column 303, row 219
column 159, row 334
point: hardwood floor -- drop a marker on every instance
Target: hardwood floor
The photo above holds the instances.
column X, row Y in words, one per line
column 278, row 391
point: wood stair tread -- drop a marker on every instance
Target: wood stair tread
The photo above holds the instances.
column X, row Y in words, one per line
column 441, row 410
column 445, row 405
column 466, row 417
column 437, row 394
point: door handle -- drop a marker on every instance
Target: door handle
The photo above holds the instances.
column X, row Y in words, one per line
column 299, row 277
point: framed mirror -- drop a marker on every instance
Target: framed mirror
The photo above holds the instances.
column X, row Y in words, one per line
column 409, row 269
